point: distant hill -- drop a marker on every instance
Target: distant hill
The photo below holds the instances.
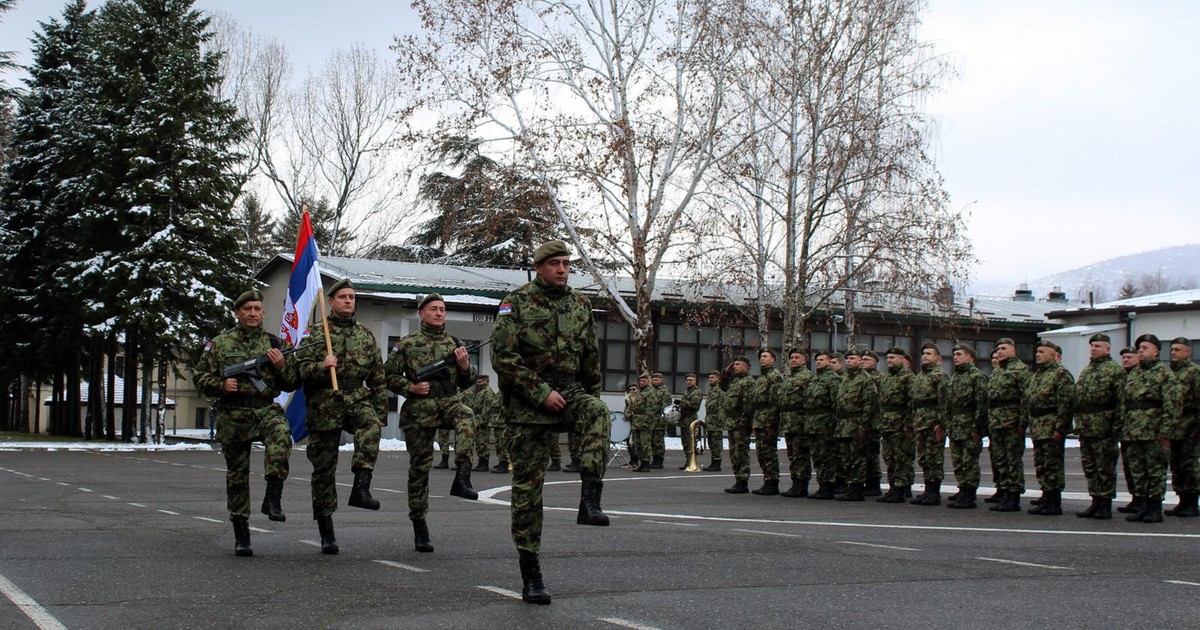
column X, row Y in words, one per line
column 1156, row 271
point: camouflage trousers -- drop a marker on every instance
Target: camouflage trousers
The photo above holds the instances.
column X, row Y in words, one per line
column 870, row 448
column 964, row 455
column 1148, row 462
column 823, row 450
column 322, row 452
column 1099, row 458
column 931, row 454
column 639, row 445
column 572, row 448
column 658, row 441
column 483, row 443
column 716, row 444
column 766, row 448
column 444, row 438
column 1125, row 469
column 243, row 428
column 897, row 449
column 1006, row 448
column 1048, row 463
column 739, row 452
column 852, row 465
column 1184, row 466
column 530, row 446
column 419, row 444
column 799, row 455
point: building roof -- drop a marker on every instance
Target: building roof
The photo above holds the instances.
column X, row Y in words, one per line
column 118, row 394
column 1187, row 299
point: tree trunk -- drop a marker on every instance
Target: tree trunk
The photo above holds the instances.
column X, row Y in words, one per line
column 110, row 401
column 129, row 393
column 144, row 397
column 74, row 400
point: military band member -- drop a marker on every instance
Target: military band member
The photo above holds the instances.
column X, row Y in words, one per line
column 766, row 422
column 792, row 395
column 895, row 426
column 1129, row 360
column 658, row 437
column 1185, row 435
column 1050, row 403
column 966, row 423
column 1006, row 425
column 929, row 423
column 857, row 402
column 1097, row 403
column 1148, row 407
column 820, row 424
column 739, row 410
column 689, row 410
column 714, row 421
column 643, row 419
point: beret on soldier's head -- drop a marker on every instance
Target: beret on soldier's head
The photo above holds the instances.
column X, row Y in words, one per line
column 1006, row 341
column 801, row 350
column 1099, row 337
column 1183, row 341
column 550, row 249
column 770, row 351
column 836, row 356
column 715, row 373
column 1129, row 350
column 344, row 283
column 871, row 354
column 897, row 350
column 1148, row 338
column 965, row 348
column 432, row 297
column 690, row 375
column 1046, row 343
column 644, row 375
column 253, row 295
column 743, row 358
column 853, row 352
column 929, row 345
column 657, row 375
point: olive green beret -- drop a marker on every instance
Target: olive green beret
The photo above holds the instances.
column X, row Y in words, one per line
column 929, row 345
column 965, row 348
column 1183, row 341
column 657, row 375
column 1006, row 341
column 1129, row 350
column 897, row 350
column 690, row 375
column 549, row 250
column 1099, row 337
column 1148, row 338
column 344, row 283
column 743, row 358
column 715, row 373
column 644, row 375
column 1046, row 343
column 769, row 351
column 822, row 353
column 432, row 297
column 836, row 356
column 801, row 350
column 871, row 354
column 253, row 295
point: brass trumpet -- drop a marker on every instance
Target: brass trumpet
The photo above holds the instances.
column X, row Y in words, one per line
column 695, row 431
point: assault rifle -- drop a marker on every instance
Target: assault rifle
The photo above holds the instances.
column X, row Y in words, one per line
column 252, row 368
column 440, row 370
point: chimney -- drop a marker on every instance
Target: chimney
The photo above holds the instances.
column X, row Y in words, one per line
column 1057, row 296
column 1023, row 294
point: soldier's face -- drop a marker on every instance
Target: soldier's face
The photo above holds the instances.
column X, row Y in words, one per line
column 740, row 367
column 869, row 363
column 1005, row 351
column 713, row 379
column 822, row 360
column 853, row 361
column 1043, row 355
column 766, row 359
column 1099, row 349
column 691, row 381
column 836, row 364
column 929, row 356
column 962, row 357
column 554, row 271
column 656, row 380
column 481, row 382
column 1147, row 351
column 1180, row 352
column 342, row 303
column 643, row 383
column 796, row 360
column 895, row 360
column 1129, row 360
column 434, row 314
column 250, row 314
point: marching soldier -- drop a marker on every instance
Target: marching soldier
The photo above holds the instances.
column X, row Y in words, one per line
column 1098, row 400
column 1006, row 426
column 857, row 402
column 689, row 410
column 246, row 415
column 642, row 420
column 483, row 402
column 1185, row 435
column 895, row 426
column 871, row 444
column 1129, row 360
column 966, row 423
column 714, row 421
column 1148, row 407
column 820, row 424
column 792, row 393
column 929, row 423
column 766, row 422
column 1049, row 401
column 444, row 437
column 658, row 437
column 738, row 411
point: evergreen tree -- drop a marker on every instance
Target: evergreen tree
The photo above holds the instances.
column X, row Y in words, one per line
column 323, row 216
column 256, row 231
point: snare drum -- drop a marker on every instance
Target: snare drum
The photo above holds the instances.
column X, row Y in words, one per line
column 620, row 427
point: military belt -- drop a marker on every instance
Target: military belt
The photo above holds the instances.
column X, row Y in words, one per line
column 1000, row 404
column 343, row 385
column 958, row 409
column 245, row 402
column 1096, row 408
column 1043, row 411
column 1145, row 404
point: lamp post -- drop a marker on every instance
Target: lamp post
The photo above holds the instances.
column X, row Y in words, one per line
column 837, row 319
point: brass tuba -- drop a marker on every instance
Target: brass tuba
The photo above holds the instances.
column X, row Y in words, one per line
column 695, row 432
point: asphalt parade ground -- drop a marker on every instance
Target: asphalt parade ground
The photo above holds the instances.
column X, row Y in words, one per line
column 140, row 539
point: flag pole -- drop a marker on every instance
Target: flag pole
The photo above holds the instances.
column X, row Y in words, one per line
column 325, row 321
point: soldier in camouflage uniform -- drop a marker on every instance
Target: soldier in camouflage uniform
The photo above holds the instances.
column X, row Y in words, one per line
column 1129, row 360
column 714, row 421
column 1049, row 403
column 1006, row 426
column 766, row 422
column 689, row 412
column 1097, row 401
column 857, row 407
column 1149, row 407
column 739, row 416
column 246, row 415
column 483, row 403
column 929, row 423
column 1185, row 435
column 966, row 423
column 356, row 406
column 871, row 444
column 895, row 426
column 658, row 437
column 642, row 420
column 547, row 361
column 429, row 405
column 444, row 438
column 820, row 422
column 791, row 395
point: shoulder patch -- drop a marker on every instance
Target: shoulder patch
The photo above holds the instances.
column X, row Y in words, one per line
column 505, row 309
column 208, row 346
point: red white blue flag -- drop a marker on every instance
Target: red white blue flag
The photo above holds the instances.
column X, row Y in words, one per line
column 304, row 287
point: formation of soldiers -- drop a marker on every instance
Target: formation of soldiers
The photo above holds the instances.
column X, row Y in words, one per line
column 842, row 418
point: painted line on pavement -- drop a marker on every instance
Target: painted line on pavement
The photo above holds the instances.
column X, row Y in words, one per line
column 86, row 490
column 500, row 591
column 625, row 623
column 26, row 604
column 863, row 544
column 673, row 523
column 310, row 542
column 109, row 496
column 42, row 479
column 62, row 483
column 759, row 531
column 1182, row 582
column 169, row 512
column 261, row 530
column 205, row 518
column 135, row 504
column 1024, row 564
column 406, row 567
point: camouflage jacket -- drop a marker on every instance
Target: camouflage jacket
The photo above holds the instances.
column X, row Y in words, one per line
column 1006, row 392
column 791, row 395
column 234, row 346
column 821, row 407
column 663, row 399
column 1149, row 403
column 689, row 405
column 714, row 412
column 895, row 400
column 1050, row 400
column 486, row 405
column 1098, row 398
column 766, row 408
column 410, row 354
column 1187, row 385
column 929, row 397
column 645, row 414
column 857, row 403
column 359, row 373
column 544, row 341
column 966, row 403
column 738, row 408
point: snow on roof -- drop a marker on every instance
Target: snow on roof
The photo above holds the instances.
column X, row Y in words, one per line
column 1186, row 296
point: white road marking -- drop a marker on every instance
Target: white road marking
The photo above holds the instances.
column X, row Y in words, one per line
column 205, row 518
column 500, row 591
column 1182, row 582
column 388, row 490
column 169, row 512
column 311, row 542
column 406, row 567
column 1024, row 564
column 26, row 604
column 863, row 544
column 62, row 483
column 135, row 504
column 86, row 490
column 675, row 524
column 759, row 531
column 261, row 530
column 109, row 496
column 43, row 479
column 625, row 623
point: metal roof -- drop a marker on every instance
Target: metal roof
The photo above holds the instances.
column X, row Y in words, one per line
column 118, row 394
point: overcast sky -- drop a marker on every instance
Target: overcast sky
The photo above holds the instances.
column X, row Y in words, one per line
column 1069, row 134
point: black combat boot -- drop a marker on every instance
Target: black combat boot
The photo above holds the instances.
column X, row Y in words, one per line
column 274, row 495
column 1090, row 512
column 854, row 492
column 714, row 466
column 1039, row 504
column 954, row 497
column 421, row 536
column 739, row 487
column 798, row 490
column 1011, row 503
column 1133, row 507
column 1103, row 509
column 532, row 588
column 1143, row 504
column 482, row 466
column 643, row 466
column 241, row 537
column 589, row 503
column 360, row 494
column 893, row 495
column 997, row 496
column 1051, row 504
column 908, row 492
column 329, row 544
column 872, row 488
column 770, row 488
column 572, row 466
column 657, row 462
column 461, row 486
column 1154, row 512
column 824, row 491
column 1187, row 507
column 555, row 466
column 839, row 487
column 931, row 496
column 445, row 463
column 501, row 467
column 965, row 500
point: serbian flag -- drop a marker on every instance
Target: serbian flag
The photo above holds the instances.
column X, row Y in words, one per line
column 304, row 286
